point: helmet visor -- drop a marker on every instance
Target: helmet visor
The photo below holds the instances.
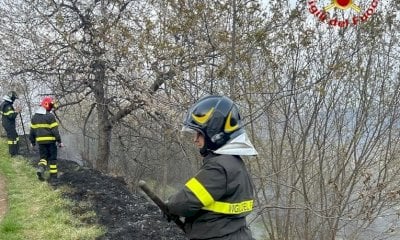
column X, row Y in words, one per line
column 188, row 129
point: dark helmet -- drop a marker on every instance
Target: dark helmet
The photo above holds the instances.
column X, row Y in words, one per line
column 12, row 95
column 217, row 118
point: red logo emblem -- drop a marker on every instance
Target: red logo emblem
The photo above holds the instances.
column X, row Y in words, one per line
column 358, row 16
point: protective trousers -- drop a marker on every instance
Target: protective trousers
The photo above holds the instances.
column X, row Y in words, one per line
column 13, row 141
column 48, row 155
column 242, row 234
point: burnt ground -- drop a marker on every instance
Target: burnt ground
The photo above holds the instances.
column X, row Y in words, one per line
column 125, row 215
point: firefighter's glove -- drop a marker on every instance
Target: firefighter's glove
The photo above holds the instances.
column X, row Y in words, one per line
column 167, row 215
column 170, row 217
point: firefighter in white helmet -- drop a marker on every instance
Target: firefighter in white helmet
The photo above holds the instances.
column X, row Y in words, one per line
column 9, row 114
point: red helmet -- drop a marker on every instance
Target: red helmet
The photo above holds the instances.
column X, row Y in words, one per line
column 47, row 103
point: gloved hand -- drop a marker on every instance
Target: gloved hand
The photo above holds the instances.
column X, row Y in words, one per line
column 60, row 145
column 170, row 217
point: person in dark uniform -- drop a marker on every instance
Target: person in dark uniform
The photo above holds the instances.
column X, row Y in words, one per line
column 216, row 201
column 9, row 114
column 44, row 131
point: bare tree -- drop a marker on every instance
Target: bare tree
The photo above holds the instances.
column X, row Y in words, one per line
column 123, row 56
column 327, row 109
column 321, row 103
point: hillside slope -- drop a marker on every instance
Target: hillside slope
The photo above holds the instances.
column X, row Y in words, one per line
column 125, row 215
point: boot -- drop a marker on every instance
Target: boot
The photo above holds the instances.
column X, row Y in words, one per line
column 13, row 147
column 53, row 180
column 41, row 169
column 40, row 173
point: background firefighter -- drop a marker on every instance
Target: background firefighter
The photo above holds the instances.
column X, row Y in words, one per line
column 9, row 114
column 44, row 131
column 216, row 201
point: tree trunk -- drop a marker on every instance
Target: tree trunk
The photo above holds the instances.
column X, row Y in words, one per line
column 103, row 117
column 103, row 144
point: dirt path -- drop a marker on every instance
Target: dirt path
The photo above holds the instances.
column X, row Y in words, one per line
column 3, row 197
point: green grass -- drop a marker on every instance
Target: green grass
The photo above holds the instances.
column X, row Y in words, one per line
column 36, row 211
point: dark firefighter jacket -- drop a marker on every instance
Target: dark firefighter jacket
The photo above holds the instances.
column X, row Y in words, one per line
column 216, row 201
column 8, row 115
column 44, row 128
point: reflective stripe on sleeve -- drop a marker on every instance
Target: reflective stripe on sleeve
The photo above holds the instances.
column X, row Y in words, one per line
column 230, row 208
column 8, row 113
column 200, row 191
column 215, row 206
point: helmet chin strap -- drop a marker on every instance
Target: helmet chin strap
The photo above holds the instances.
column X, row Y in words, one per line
column 204, row 151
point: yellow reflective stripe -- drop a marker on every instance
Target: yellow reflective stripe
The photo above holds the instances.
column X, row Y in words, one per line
column 53, row 168
column 230, row 208
column 200, row 192
column 203, row 119
column 215, row 206
column 12, row 142
column 228, row 127
column 8, row 113
column 38, row 139
column 43, row 162
column 44, row 125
